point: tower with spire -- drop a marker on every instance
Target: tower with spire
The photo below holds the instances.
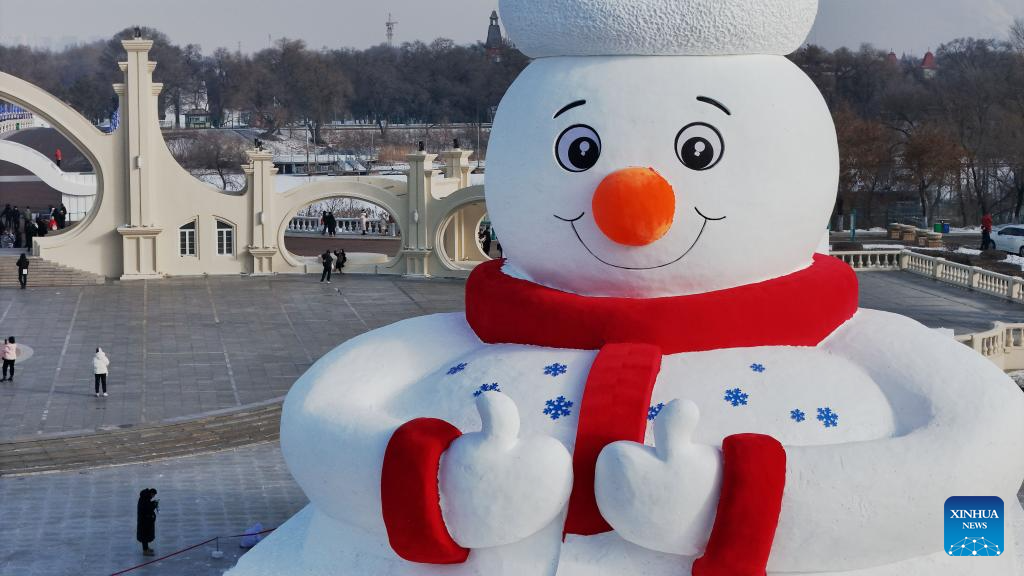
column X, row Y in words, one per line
column 495, row 44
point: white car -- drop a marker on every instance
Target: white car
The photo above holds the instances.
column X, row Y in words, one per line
column 1009, row 239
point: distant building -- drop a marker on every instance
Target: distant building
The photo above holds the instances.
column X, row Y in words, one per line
column 892, row 59
column 197, row 118
column 929, row 66
column 496, row 43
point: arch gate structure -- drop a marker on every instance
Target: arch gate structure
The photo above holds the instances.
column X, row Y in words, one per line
column 151, row 219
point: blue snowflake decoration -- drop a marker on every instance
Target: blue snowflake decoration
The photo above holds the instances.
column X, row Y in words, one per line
column 653, row 411
column 759, row 368
column 798, row 415
column 557, row 408
column 555, row 370
column 736, row 397
column 457, row 368
column 827, row 417
column 487, row 388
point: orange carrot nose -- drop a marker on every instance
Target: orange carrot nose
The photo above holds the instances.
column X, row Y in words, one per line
column 634, row 206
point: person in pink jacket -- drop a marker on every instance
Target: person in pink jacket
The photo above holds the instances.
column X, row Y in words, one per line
column 9, row 354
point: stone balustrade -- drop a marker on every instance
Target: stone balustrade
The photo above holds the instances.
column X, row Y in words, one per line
column 346, row 226
column 871, row 260
column 14, row 122
column 1003, row 345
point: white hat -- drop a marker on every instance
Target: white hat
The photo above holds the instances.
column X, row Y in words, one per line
column 542, row 28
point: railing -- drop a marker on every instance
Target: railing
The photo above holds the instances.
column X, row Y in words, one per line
column 940, row 269
column 346, row 226
column 1003, row 345
column 869, row 260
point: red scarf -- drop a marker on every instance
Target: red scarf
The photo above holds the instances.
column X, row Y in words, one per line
column 800, row 309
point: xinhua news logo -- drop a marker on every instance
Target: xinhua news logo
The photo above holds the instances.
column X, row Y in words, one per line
column 974, row 526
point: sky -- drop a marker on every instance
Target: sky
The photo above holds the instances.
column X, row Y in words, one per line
column 906, row 26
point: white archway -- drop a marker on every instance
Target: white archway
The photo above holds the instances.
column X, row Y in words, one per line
column 99, row 148
column 383, row 192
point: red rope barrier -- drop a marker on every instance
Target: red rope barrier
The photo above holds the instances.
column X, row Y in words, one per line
column 193, row 547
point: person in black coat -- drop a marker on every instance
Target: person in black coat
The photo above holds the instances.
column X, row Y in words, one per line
column 23, row 271
column 145, row 528
column 341, row 258
column 332, row 224
column 30, row 233
column 328, row 261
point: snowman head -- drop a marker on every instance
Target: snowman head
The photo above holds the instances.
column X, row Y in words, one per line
column 660, row 147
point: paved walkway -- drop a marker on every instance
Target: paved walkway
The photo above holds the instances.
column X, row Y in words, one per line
column 184, row 347
column 935, row 304
column 83, row 523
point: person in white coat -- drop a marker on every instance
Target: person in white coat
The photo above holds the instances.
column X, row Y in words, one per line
column 100, row 367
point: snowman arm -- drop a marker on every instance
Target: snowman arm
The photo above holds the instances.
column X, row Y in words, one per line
column 959, row 433
column 336, row 426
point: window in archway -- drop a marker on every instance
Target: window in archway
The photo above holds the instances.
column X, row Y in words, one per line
column 187, row 239
column 225, row 238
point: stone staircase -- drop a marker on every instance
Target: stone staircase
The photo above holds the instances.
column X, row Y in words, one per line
column 128, row 444
column 44, row 273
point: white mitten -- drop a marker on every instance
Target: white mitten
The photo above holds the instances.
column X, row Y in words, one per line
column 497, row 489
column 662, row 498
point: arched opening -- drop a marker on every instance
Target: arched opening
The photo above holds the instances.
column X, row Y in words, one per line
column 368, row 232
column 48, row 183
column 461, row 237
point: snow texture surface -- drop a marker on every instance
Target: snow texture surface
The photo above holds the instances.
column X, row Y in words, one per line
column 658, row 27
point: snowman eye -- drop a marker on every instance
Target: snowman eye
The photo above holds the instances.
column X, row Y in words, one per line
column 699, row 146
column 578, row 148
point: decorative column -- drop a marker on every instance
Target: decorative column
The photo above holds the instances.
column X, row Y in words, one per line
column 259, row 175
column 418, row 243
column 456, row 165
column 138, row 119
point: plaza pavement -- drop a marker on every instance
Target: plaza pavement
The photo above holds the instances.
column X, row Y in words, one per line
column 83, row 523
column 182, row 347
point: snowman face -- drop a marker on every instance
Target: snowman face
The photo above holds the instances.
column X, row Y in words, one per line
column 659, row 176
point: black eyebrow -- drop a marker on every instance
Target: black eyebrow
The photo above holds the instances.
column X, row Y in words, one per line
column 714, row 103
column 575, row 104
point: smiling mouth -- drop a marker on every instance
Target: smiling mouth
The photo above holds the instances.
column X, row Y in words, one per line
column 572, row 222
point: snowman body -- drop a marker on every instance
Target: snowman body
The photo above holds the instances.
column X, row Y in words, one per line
column 637, row 175
column 341, row 532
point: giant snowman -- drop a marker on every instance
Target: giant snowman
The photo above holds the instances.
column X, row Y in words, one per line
column 663, row 378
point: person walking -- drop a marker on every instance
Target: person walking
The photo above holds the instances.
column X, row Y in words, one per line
column 62, row 216
column 986, row 232
column 328, row 261
column 10, row 355
column 363, row 221
column 23, row 271
column 100, row 368
column 145, row 520
column 58, row 157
